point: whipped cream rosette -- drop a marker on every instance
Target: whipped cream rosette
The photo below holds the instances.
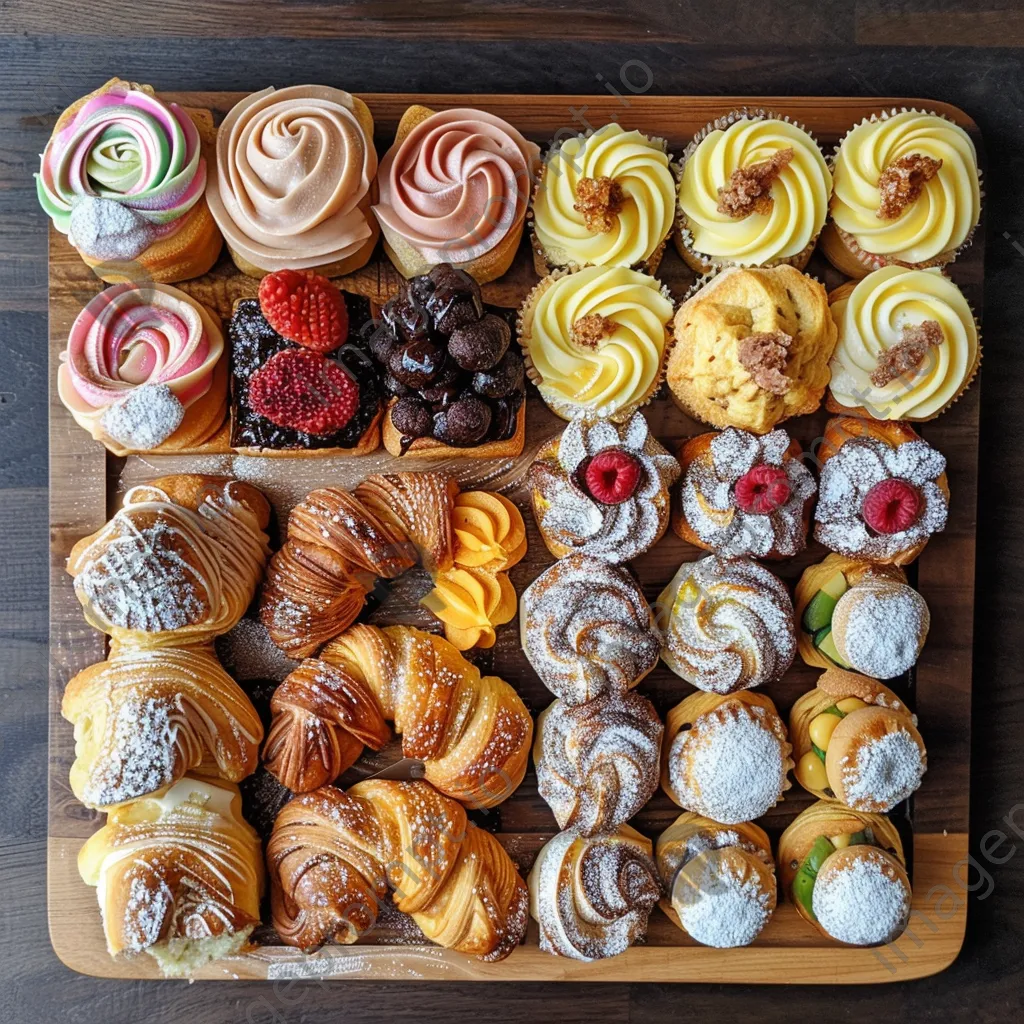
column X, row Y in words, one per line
column 454, row 188
column 143, row 367
column 294, row 174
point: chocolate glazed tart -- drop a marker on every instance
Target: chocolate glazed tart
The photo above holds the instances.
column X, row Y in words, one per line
column 253, row 341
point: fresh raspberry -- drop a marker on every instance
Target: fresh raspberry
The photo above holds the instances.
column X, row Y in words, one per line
column 762, row 490
column 892, row 506
column 612, row 476
column 305, row 308
column 304, row 391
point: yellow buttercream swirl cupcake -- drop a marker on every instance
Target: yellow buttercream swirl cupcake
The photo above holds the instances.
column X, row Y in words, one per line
column 607, row 199
column 489, row 531
column 595, row 340
column 753, row 191
column 471, row 603
column 906, row 191
column 908, row 345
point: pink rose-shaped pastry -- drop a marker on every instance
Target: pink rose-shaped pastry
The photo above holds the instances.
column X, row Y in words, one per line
column 453, row 189
column 294, row 171
column 139, row 361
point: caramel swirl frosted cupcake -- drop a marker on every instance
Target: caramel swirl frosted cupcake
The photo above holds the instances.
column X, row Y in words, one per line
column 753, row 191
column 606, row 199
column 294, row 174
column 454, row 188
column 908, row 345
column 907, row 191
column 595, row 340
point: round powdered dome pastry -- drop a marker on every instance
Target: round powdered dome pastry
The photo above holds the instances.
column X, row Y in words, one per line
column 727, row 624
column 860, row 615
column 595, row 340
column 602, row 489
column 726, row 757
column 294, row 173
column 597, row 762
column 143, row 369
column 742, row 494
column 908, row 345
column 592, row 896
column 857, row 742
column 754, row 191
column 454, row 188
column 606, row 199
column 720, row 880
column 883, row 491
column 906, row 191
column 752, row 348
column 587, row 629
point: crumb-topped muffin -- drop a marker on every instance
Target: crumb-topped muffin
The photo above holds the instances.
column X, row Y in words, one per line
column 753, row 191
column 752, row 348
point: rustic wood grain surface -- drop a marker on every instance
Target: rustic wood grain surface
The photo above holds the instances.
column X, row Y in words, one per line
column 50, row 53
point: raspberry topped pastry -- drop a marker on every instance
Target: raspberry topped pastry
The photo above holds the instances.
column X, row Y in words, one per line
column 300, row 383
column 603, row 489
column 883, row 491
column 744, row 495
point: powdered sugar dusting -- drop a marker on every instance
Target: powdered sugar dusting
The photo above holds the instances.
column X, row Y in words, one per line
column 145, row 417
column 862, row 902
column 718, row 906
column 879, row 627
column 248, row 653
column 884, row 771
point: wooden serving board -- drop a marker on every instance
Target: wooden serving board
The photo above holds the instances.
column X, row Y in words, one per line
column 85, row 489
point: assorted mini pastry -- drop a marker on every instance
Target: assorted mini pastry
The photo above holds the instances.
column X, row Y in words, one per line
column 908, row 345
column 860, row 615
column 726, row 757
column 294, row 181
column 592, row 895
column 856, row 742
column 752, row 348
column 607, row 199
column 753, row 191
column 334, row 856
column 882, row 492
column 744, row 494
column 595, row 340
column 124, row 177
column 339, row 543
column 597, row 762
column 471, row 732
column 719, row 879
column 907, row 192
column 454, row 188
column 587, row 630
column 302, row 382
column 455, row 382
column 602, row 489
column 845, row 872
column 144, row 370
column 179, row 875
column 727, row 624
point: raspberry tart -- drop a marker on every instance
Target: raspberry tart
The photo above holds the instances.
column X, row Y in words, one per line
column 302, row 381
column 744, row 494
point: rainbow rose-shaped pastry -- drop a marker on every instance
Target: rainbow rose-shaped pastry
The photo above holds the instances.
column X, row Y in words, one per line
column 124, row 177
column 143, row 370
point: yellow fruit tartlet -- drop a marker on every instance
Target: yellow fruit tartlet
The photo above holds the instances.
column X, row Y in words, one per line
column 753, row 191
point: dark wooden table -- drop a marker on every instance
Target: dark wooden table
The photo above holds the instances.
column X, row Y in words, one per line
column 52, row 51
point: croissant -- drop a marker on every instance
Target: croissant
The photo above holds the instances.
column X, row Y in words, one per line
column 178, row 875
column 472, row 732
column 720, row 879
column 333, row 856
column 143, row 718
column 592, row 896
column 177, row 565
column 597, row 762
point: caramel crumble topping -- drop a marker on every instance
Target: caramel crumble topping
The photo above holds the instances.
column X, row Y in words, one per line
column 763, row 356
column 590, row 329
column 901, row 183
column 749, row 189
column 599, row 200
column 908, row 353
